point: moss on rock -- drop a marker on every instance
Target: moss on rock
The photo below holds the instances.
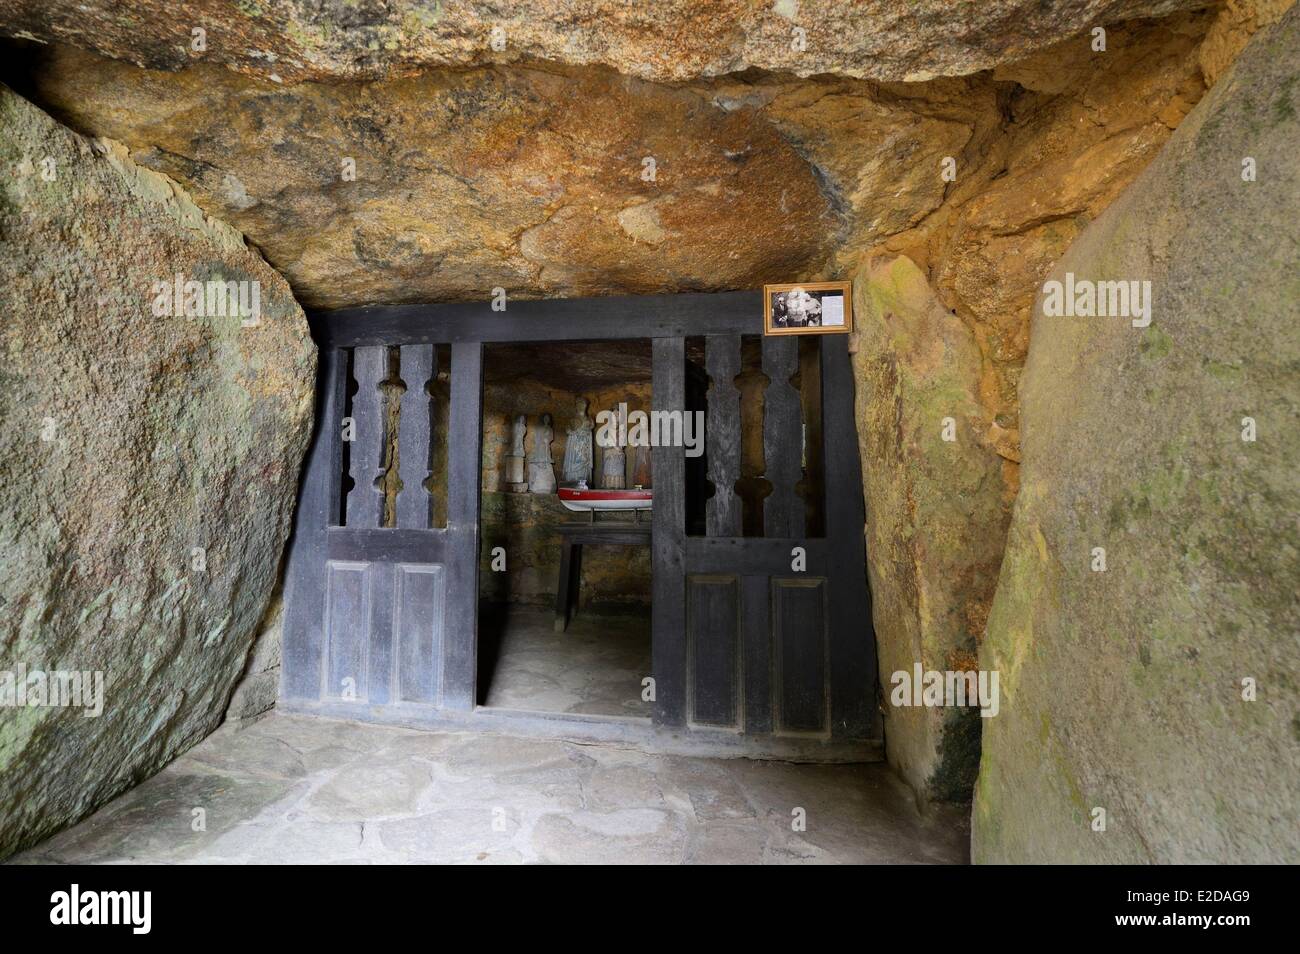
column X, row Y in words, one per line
column 1123, row 690
column 132, row 441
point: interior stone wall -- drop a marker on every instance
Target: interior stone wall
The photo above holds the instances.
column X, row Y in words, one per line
column 637, row 398
column 524, row 524
column 613, row 578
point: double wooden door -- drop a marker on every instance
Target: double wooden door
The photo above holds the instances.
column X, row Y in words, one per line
column 761, row 614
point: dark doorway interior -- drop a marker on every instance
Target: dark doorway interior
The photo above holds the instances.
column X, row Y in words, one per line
column 593, row 661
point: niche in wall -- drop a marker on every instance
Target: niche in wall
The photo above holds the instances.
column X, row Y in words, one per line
column 559, row 379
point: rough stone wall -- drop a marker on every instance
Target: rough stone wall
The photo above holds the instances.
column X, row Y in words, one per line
column 1077, row 127
column 524, row 523
column 637, row 398
column 612, row 577
column 1125, row 689
column 131, row 440
column 934, row 520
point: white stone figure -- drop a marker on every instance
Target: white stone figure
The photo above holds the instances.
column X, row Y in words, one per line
column 613, row 468
column 541, row 469
column 515, row 459
column 578, row 453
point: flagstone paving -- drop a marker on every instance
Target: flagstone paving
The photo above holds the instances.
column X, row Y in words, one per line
column 289, row 789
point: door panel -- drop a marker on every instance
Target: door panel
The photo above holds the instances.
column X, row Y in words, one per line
column 421, row 610
column 714, row 651
column 769, row 620
column 799, row 628
column 347, row 622
column 369, row 607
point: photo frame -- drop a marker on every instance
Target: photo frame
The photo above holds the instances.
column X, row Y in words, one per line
column 808, row 308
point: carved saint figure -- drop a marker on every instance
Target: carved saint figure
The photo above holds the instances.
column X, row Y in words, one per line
column 577, row 447
column 612, row 469
column 515, row 459
column 541, row 470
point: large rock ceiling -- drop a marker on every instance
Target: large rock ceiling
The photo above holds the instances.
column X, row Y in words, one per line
column 293, row 40
column 533, row 181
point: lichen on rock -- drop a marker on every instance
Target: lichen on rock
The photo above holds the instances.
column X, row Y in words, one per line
column 935, row 518
column 147, row 470
column 1127, row 685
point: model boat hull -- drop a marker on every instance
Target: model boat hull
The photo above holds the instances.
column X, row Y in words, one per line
column 583, row 501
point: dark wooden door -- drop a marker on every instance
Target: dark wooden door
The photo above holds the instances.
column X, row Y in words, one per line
column 761, row 616
column 381, row 606
column 770, row 633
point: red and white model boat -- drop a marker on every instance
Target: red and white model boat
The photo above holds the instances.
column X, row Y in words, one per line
column 583, row 501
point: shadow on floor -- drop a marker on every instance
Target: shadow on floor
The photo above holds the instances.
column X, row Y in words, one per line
column 595, row 667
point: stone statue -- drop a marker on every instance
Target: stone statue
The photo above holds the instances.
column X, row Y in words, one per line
column 612, row 469
column 578, row 454
column 541, row 470
column 641, row 467
column 517, row 434
column 515, row 459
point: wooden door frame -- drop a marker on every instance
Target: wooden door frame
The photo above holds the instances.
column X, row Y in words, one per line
column 667, row 320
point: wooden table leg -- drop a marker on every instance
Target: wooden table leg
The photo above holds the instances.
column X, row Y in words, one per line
column 575, row 580
column 563, row 588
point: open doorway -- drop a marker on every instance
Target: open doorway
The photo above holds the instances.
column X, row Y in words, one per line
column 565, row 562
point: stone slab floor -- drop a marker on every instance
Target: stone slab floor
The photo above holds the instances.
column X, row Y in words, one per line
column 299, row 789
column 594, row 667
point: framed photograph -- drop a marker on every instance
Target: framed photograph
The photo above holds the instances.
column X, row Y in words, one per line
column 808, row 308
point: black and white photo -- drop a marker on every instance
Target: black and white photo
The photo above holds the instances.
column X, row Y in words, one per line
column 808, row 308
